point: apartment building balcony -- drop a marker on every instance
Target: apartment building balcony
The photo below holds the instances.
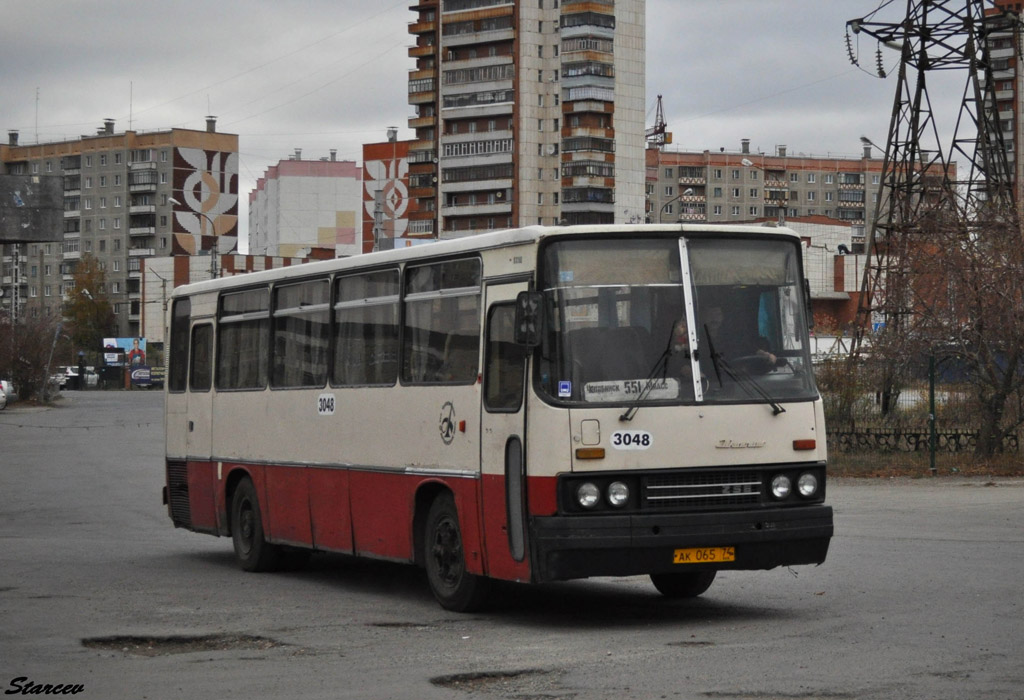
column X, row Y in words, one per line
column 423, row 27
column 142, row 165
column 6, row 280
column 479, row 185
column 693, row 212
column 141, row 252
column 488, row 36
column 421, row 122
column 142, row 231
column 75, row 191
column 72, row 213
column 692, row 181
column 425, row 97
column 481, row 209
column 142, row 187
column 420, row 51
column 142, row 209
column 773, row 184
column 134, row 274
column 71, row 255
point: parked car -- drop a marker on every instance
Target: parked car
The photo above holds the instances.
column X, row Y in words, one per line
column 7, row 388
column 3, row 400
column 67, row 378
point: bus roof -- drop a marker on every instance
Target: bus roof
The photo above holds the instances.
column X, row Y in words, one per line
column 482, row 241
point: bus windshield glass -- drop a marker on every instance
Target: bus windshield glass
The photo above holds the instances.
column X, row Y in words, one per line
column 666, row 321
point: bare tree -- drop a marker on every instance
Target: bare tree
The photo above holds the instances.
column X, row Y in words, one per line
column 25, row 352
column 965, row 303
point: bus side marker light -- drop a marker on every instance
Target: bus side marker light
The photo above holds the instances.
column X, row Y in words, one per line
column 589, row 453
column 804, row 444
column 462, row 426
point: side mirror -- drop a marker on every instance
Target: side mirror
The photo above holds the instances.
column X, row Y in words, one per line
column 529, row 318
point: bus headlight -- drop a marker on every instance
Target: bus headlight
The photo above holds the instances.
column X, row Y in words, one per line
column 618, row 494
column 781, row 486
column 807, row 484
column 588, row 495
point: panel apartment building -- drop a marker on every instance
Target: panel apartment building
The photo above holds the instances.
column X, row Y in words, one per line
column 527, row 112
column 741, row 186
column 127, row 197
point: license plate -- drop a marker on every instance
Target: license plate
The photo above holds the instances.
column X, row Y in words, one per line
column 704, row 555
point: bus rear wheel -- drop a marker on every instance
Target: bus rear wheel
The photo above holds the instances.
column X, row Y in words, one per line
column 252, row 550
column 683, row 585
column 445, row 559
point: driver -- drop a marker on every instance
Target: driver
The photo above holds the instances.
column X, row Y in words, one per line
column 731, row 345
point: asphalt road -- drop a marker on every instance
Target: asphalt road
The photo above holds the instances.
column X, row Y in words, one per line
column 922, row 597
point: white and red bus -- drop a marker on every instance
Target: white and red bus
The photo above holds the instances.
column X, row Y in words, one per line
column 530, row 405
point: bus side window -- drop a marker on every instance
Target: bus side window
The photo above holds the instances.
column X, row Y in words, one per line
column 201, row 363
column 505, row 362
column 178, row 359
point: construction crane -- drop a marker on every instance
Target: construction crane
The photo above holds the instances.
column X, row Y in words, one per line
column 918, row 170
column 657, row 137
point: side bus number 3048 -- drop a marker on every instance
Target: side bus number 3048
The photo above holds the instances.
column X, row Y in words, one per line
column 325, row 404
column 631, row 440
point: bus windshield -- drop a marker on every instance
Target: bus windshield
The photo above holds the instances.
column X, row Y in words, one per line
column 668, row 321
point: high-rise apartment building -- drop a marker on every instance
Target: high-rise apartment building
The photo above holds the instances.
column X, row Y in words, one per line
column 299, row 206
column 737, row 186
column 127, row 197
column 527, row 112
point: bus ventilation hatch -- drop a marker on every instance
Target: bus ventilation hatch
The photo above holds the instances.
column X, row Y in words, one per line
column 177, row 493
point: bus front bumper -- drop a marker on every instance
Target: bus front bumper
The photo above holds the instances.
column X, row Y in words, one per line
column 567, row 547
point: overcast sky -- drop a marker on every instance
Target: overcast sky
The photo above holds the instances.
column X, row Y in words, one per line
column 322, row 74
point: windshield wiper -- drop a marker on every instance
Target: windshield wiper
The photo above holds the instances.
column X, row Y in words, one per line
column 749, row 384
column 662, row 363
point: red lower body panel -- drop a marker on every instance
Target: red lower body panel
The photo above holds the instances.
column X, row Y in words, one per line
column 369, row 512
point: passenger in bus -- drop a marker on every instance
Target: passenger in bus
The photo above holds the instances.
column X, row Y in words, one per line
column 677, row 365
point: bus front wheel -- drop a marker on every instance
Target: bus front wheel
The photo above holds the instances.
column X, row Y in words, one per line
column 252, row 550
column 445, row 559
column 683, row 585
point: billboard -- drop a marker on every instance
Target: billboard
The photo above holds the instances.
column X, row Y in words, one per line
column 124, row 351
column 31, row 208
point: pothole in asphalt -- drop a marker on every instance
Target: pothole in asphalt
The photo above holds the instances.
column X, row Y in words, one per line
column 162, row 646
column 520, row 684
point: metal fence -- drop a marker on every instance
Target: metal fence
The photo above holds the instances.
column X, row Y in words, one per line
column 925, row 418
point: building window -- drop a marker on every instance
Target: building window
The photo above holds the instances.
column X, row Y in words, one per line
column 717, row 192
column 717, row 173
column 117, row 202
column 88, row 183
column 103, row 159
column 753, row 211
column 810, row 196
column 829, row 179
column 736, row 192
column 753, row 174
column 828, row 196
column 103, row 202
column 811, row 177
column 735, row 174
column 794, row 177
column 735, row 211
column 88, row 161
column 874, row 179
column 668, row 172
column 717, row 210
column 669, row 190
column 117, row 159
column 753, row 192
column 117, row 181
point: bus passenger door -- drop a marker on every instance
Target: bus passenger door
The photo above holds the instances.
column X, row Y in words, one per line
column 199, row 416
column 502, row 438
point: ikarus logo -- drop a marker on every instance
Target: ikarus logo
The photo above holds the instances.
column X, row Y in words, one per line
column 446, row 423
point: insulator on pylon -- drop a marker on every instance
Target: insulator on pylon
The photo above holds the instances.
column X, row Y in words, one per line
column 878, row 61
column 849, row 49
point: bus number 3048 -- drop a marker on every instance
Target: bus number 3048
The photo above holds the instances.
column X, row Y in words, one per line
column 325, row 404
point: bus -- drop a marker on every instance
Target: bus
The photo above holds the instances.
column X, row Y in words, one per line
column 530, row 405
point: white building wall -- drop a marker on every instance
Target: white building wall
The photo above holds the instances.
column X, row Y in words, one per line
column 630, row 101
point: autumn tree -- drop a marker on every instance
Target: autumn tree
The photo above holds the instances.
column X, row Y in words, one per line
column 87, row 309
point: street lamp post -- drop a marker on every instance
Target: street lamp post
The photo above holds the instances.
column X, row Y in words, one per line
column 685, row 193
column 199, row 238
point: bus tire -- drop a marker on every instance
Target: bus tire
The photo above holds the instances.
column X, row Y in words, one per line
column 445, row 560
column 252, row 550
column 683, row 585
